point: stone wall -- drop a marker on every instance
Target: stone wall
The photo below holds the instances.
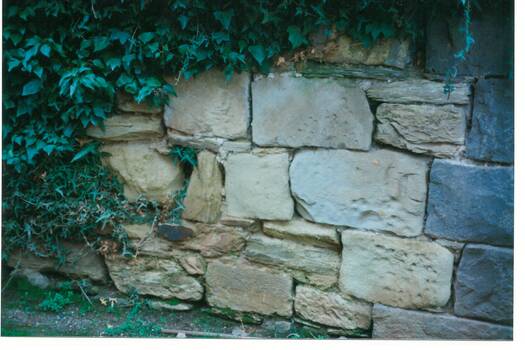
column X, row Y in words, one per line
column 347, row 191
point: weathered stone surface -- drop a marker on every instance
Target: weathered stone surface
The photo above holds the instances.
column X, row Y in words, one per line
column 161, row 305
column 137, row 231
column 428, row 129
column 311, row 264
column 392, row 323
column 395, row 271
column 193, row 264
column 491, row 53
column 296, row 112
column 331, row 309
column 257, row 185
column 484, row 283
column 126, row 103
column 242, row 287
column 81, row 261
column 210, row 106
column 162, row 278
column 471, row 203
column 491, row 136
column 197, row 142
column 419, row 91
column 143, row 170
column 33, row 277
column 204, row 196
column 122, row 127
column 250, row 225
column 174, row 232
column 386, row 52
column 303, row 231
column 379, row 190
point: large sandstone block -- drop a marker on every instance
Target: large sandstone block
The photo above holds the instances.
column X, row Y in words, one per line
column 377, row 190
column 143, row 170
column 392, row 323
column 471, row 203
column 331, row 309
column 491, row 136
column 418, row 91
column 204, row 196
column 427, row 129
column 123, row 127
column 162, row 278
column 303, row 231
column 395, row 271
column 208, row 105
column 484, row 283
column 297, row 112
column 242, row 287
column 257, row 185
column 310, row 264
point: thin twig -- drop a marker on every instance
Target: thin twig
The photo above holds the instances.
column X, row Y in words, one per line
column 84, row 293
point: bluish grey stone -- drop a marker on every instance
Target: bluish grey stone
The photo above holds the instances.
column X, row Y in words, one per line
column 393, row 323
column 471, row 203
column 491, row 53
column 484, row 283
column 491, row 136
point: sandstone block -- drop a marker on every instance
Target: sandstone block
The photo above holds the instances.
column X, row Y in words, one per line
column 208, row 105
column 377, row 190
column 143, row 170
column 204, row 196
column 427, row 129
column 331, row 309
column 471, row 203
column 303, row 231
column 392, row 323
column 257, row 186
column 163, row 278
column 297, row 112
column 122, row 127
column 395, row 271
column 242, row 287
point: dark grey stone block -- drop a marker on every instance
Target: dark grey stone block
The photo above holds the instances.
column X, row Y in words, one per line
column 393, row 323
column 484, row 283
column 491, row 136
column 491, row 53
column 471, row 203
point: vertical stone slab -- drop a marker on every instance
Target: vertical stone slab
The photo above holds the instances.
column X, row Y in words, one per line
column 257, row 185
column 491, row 137
column 208, row 105
column 297, row 112
column 484, row 283
column 377, row 190
column 471, row 203
column 395, row 271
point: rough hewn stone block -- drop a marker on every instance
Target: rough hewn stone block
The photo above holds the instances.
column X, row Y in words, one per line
column 303, row 231
column 484, row 283
column 296, row 112
column 311, row 264
column 257, row 185
column 419, row 91
column 122, row 127
column 491, row 136
column 241, row 287
column 379, row 190
column 471, row 203
column 204, row 197
column 163, row 278
column 208, row 105
column 428, row 129
column 331, row 309
column 392, row 323
column 395, row 271
column 143, row 170
column 137, row 231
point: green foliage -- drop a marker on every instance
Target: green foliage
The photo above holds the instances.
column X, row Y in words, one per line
column 56, row 301
column 185, row 155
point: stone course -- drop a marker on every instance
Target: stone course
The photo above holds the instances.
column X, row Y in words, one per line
column 122, row 127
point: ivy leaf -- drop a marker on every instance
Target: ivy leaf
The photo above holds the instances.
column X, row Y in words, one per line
column 258, row 53
column 45, row 50
column 32, row 87
column 87, row 149
column 183, row 20
column 146, row 37
column 225, row 17
column 101, row 42
column 295, row 37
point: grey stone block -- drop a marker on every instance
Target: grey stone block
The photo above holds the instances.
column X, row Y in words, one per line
column 484, row 283
column 491, row 136
column 471, row 203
